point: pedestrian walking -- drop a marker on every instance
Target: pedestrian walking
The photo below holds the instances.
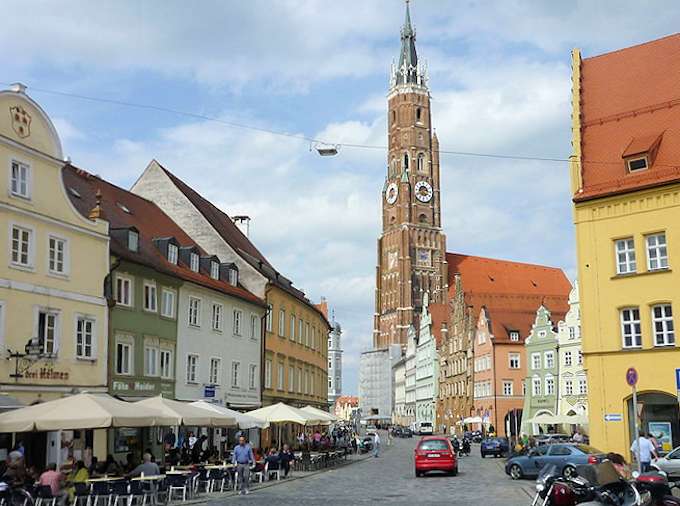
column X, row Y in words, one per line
column 243, row 458
column 376, row 445
column 643, row 450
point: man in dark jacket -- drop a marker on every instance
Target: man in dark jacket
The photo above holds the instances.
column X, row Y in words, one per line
column 286, row 457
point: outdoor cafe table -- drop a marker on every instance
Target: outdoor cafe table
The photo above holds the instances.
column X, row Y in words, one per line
column 106, row 478
column 179, row 472
column 151, row 477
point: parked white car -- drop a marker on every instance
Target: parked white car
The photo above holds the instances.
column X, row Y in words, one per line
column 669, row 464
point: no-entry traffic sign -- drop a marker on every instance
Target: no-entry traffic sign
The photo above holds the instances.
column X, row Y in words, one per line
column 631, row 376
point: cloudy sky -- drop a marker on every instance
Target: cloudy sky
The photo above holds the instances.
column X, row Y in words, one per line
column 500, row 83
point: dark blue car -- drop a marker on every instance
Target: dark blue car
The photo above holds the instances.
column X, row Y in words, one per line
column 496, row 446
column 564, row 456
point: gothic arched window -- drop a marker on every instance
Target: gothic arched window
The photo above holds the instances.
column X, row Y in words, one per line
column 394, row 117
column 421, row 162
column 405, row 161
column 418, row 114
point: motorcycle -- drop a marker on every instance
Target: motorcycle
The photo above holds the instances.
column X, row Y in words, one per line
column 14, row 496
column 465, row 449
column 586, row 488
column 658, row 487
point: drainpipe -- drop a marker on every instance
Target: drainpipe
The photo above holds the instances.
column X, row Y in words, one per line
column 263, row 348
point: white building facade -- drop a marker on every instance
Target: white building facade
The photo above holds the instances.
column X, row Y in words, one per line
column 427, row 370
column 399, row 380
column 410, row 378
column 334, row 362
column 376, row 395
column 573, row 391
column 218, row 348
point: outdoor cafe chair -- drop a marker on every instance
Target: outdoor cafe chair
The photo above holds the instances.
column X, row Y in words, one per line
column 81, row 492
column 44, row 496
column 217, row 476
column 138, row 491
column 193, row 484
column 268, row 471
column 204, row 479
column 120, row 491
column 162, row 491
column 178, row 483
column 100, row 490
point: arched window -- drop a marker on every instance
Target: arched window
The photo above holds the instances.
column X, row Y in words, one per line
column 405, row 161
column 421, row 162
column 393, row 167
column 418, row 114
column 394, row 117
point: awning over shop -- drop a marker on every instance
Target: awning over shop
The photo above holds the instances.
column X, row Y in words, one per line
column 187, row 414
column 244, row 421
column 82, row 411
column 320, row 413
column 283, row 413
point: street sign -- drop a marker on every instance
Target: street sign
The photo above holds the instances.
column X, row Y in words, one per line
column 677, row 379
column 613, row 417
column 209, row 391
column 631, row 376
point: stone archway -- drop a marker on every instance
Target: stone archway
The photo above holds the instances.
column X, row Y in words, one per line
column 658, row 413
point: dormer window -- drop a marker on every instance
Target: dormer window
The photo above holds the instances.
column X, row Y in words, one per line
column 172, row 253
column 215, row 270
column 514, row 335
column 133, row 240
column 233, row 277
column 193, row 262
column 635, row 164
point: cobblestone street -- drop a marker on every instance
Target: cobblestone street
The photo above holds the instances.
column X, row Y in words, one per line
column 390, row 479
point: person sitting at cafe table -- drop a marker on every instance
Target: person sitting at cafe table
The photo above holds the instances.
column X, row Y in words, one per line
column 147, row 468
column 286, row 457
column 273, row 460
column 54, row 479
column 80, row 474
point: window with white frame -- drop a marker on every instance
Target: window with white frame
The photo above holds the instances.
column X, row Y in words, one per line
column 215, row 368
column 194, row 311
column 301, row 328
column 124, row 358
column 306, row 333
column 657, row 252
column 192, row 368
column 631, row 330
column 236, row 374
column 582, row 386
column 172, row 253
column 216, row 318
column 47, row 331
column 625, row 255
column 124, row 291
column 254, row 326
column 507, row 388
column 214, row 270
column 252, row 376
column 282, row 323
column 535, row 360
column 280, row 383
column 549, row 385
column 20, row 179
column 168, row 303
column 56, row 260
column 536, row 386
column 151, row 360
column 569, row 387
column 549, row 359
column 268, row 373
column 193, row 262
column 270, row 317
column 572, row 333
column 166, row 364
column 514, row 335
column 133, row 240
column 291, row 379
column 238, row 322
column 514, row 359
column 580, row 357
column 292, row 327
column 524, row 388
column 299, row 381
column 233, row 277
column 85, row 339
column 662, row 321
column 22, row 245
column 567, row 358
column 150, row 296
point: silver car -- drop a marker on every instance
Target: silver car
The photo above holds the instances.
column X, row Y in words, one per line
column 669, row 464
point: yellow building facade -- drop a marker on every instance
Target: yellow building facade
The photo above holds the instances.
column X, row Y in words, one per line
column 53, row 264
column 627, row 217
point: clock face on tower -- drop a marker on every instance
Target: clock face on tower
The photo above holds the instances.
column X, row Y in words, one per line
column 392, row 193
column 423, row 191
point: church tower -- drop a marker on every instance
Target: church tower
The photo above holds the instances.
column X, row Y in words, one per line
column 411, row 248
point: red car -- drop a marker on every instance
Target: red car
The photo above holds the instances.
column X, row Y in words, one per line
column 435, row 453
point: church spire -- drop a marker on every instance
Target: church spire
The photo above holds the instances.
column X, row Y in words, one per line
column 408, row 71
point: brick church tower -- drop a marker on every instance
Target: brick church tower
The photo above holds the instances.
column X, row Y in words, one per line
column 412, row 246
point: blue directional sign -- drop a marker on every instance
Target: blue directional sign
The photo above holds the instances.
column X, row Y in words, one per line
column 209, row 391
column 677, row 379
column 613, row 417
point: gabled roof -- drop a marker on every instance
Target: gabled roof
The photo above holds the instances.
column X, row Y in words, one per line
column 629, row 98
column 123, row 210
column 440, row 316
column 233, row 236
column 510, row 291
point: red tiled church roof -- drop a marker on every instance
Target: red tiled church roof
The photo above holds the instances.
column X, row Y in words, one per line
column 510, row 291
column 629, row 98
column 123, row 209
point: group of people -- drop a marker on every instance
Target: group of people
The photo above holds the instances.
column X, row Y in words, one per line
column 644, row 448
column 243, row 457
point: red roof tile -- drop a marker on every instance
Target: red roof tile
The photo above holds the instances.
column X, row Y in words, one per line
column 440, row 317
column 510, row 291
column 123, row 209
column 630, row 96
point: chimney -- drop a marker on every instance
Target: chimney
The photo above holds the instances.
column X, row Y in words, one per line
column 243, row 223
column 323, row 306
